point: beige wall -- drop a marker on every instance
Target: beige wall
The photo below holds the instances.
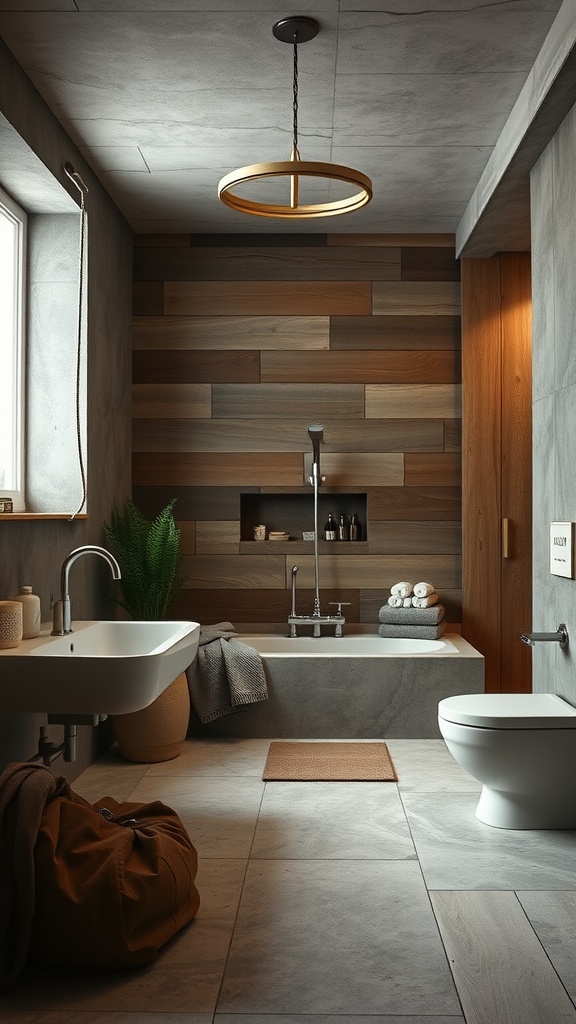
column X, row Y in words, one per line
column 239, row 343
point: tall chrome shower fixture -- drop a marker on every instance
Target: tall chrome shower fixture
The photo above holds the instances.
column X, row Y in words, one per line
column 316, row 620
column 316, row 435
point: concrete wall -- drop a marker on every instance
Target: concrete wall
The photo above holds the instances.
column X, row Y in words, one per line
column 34, row 147
column 553, row 185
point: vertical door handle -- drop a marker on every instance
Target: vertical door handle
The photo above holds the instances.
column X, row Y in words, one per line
column 505, row 538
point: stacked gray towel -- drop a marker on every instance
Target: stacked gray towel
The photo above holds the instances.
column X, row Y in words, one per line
column 415, row 623
column 226, row 674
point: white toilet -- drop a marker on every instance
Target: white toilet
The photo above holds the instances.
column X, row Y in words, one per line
column 522, row 748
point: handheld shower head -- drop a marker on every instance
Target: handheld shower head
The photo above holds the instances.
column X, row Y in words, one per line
column 316, row 434
column 76, row 178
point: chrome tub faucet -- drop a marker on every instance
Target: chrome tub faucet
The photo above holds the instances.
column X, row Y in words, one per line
column 316, row 620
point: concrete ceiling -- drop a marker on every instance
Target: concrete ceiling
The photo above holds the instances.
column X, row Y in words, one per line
column 164, row 97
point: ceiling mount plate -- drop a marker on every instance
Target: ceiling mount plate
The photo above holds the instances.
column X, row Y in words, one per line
column 296, row 30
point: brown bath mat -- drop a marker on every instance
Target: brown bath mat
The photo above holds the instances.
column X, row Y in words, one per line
column 334, row 761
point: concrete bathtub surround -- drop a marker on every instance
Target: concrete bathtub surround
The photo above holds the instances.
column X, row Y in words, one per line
column 353, row 687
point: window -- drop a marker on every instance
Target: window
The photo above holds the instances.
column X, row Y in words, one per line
column 12, row 292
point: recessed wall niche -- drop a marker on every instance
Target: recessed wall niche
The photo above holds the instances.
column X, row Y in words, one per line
column 294, row 513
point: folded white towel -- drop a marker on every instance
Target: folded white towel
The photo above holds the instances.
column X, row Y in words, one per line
column 402, row 589
column 407, row 602
column 424, row 602
column 395, row 602
column 423, row 590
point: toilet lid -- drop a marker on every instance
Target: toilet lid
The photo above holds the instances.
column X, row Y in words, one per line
column 509, row 711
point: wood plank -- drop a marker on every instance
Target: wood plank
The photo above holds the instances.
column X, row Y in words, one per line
column 428, row 470
column 429, row 264
column 279, row 298
column 218, row 538
column 192, row 503
column 281, row 238
column 147, row 298
column 360, row 469
column 516, row 313
column 413, row 400
column 481, row 466
column 308, row 402
column 416, row 239
column 168, row 366
column 231, row 332
column 405, row 298
column 171, row 400
column 453, row 435
column 500, row 969
column 394, row 332
column 146, row 240
column 378, row 572
column 424, row 537
column 256, row 605
column 187, row 536
column 223, row 469
column 263, row 263
column 169, row 434
column 245, row 572
column 413, row 367
column 416, row 503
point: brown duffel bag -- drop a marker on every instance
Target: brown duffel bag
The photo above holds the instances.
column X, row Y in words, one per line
column 112, row 882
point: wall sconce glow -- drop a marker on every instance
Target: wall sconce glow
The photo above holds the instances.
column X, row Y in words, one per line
column 295, row 30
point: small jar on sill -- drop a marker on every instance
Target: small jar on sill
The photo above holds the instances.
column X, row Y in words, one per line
column 31, row 614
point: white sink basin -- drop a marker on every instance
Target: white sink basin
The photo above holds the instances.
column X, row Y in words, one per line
column 100, row 668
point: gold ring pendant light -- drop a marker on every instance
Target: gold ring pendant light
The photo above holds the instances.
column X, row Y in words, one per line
column 295, row 30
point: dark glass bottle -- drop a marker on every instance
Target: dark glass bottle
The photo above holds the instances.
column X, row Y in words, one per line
column 330, row 531
column 355, row 528
column 343, row 528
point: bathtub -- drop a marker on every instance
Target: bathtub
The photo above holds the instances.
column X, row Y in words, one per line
column 366, row 646
column 353, row 687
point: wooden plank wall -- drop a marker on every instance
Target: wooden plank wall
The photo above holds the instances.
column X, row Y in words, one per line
column 240, row 342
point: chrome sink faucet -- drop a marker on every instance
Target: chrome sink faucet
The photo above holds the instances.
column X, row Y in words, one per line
column 62, row 618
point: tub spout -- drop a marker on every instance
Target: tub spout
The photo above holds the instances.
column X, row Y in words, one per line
column 560, row 637
column 317, row 621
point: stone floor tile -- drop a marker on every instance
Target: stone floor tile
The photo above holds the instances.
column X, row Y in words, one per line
column 427, row 766
column 456, row 851
column 336, row 937
column 332, row 820
column 221, row 756
column 553, row 918
column 322, row 1018
column 220, row 813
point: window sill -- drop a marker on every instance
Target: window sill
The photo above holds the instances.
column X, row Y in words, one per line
column 32, row 516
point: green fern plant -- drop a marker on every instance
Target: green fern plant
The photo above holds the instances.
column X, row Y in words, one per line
column 149, row 556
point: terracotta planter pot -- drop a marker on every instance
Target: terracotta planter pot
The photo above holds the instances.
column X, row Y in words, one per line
column 156, row 733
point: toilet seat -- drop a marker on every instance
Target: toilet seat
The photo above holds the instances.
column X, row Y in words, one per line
column 508, row 711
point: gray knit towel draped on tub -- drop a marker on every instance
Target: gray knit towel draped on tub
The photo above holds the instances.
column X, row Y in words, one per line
column 226, row 674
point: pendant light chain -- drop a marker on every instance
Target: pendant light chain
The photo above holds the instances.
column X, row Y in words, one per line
column 295, row 99
column 293, row 30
